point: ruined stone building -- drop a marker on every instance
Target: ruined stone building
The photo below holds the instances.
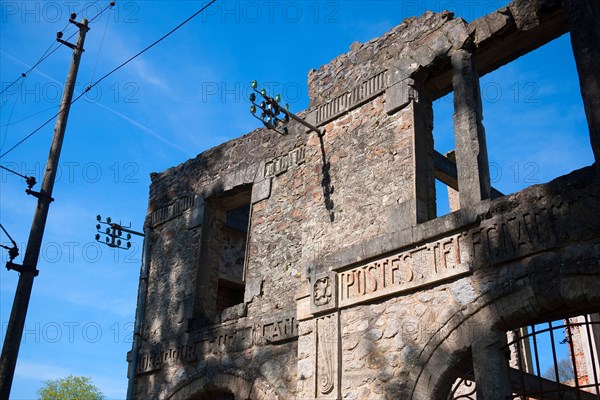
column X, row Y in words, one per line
column 307, row 266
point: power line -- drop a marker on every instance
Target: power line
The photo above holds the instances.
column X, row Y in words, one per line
column 13, row 172
column 31, row 134
column 42, row 58
column 46, row 54
column 7, row 234
column 112, row 3
column 147, row 48
column 91, row 4
column 10, row 117
column 30, row 180
column 27, row 117
column 101, row 44
column 88, row 88
column 13, row 251
column 24, row 74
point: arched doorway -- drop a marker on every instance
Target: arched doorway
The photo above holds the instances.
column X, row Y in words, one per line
column 214, row 395
column 503, row 315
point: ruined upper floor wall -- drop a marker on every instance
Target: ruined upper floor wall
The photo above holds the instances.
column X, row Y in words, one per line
column 420, row 47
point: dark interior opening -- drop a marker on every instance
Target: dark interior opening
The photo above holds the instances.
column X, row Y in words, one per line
column 230, row 234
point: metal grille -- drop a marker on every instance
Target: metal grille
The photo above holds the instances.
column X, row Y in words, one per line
column 463, row 389
column 572, row 377
column 556, row 360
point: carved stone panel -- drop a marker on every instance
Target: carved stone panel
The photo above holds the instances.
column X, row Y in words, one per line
column 323, row 293
column 422, row 265
column 230, row 338
column 327, row 358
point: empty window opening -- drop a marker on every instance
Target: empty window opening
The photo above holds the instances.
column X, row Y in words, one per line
column 230, row 224
column 446, row 194
column 534, row 119
column 535, row 124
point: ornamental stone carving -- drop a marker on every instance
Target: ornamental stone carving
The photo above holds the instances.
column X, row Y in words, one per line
column 322, row 291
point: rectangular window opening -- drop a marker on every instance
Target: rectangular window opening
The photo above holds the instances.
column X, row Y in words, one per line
column 230, row 230
column 535, row 124
column 446, row 194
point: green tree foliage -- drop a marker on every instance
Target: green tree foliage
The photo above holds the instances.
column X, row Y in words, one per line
column 70, row 388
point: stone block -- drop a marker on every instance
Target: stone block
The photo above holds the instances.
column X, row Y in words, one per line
column 303, row 309
column 261, row 190
column 253, row 288
column 405, row 65
column 524, row 13
column 195, row 217
column 240, row 176
column 400, row 216
column 233, row 313
column 490, row 25
column 458, row 34
column 398, row 96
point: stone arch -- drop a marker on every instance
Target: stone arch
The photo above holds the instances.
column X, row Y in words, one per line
column 562, row 289
column 242, row 389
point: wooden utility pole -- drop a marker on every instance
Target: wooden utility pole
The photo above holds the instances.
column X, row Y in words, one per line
column 28, row 270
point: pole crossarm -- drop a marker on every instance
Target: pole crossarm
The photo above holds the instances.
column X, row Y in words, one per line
column 271, row 109
column 113, row 233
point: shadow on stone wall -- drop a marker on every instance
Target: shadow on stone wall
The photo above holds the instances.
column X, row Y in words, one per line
column 557, row 277
column 326, row 181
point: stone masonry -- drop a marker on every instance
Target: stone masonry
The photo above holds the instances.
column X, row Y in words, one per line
column 315, row 267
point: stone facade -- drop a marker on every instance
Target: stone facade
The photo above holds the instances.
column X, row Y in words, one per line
column 314, row 267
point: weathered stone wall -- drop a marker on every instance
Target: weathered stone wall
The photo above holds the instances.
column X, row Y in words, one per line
column 531, row 256
column 178, row 290
column 353, row 288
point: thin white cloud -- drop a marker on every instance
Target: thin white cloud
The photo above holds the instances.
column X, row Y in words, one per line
column 146, row 129
column 141, row 69
column 39, row 372
column 37, row 70
column 115, row 305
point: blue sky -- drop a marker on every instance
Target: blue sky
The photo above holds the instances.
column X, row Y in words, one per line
column 182, row 97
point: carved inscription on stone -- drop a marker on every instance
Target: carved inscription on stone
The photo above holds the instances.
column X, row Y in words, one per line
column 281, row 164
column 499, row 239
column 419, row 266
column 220, row 339
column 172, row 210
column 517, row 235
column 148, row 363
column 153, row 361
